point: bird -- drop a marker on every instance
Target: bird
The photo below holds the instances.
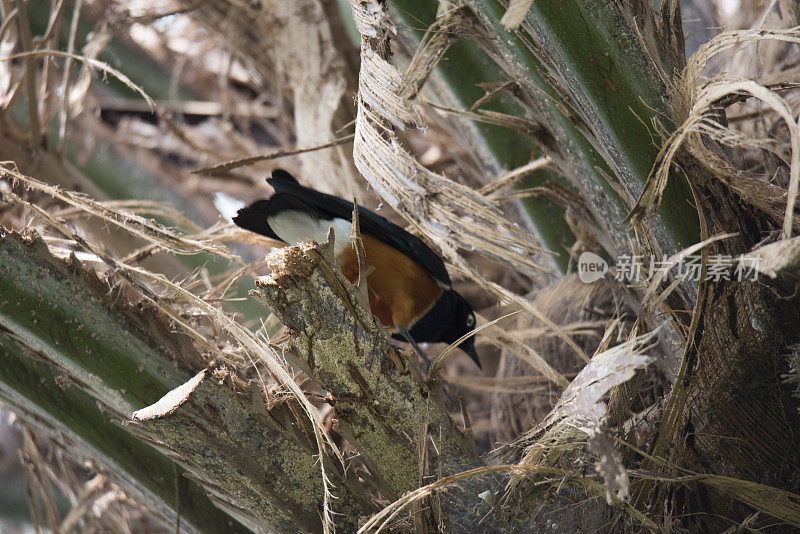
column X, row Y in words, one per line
column 409, row 289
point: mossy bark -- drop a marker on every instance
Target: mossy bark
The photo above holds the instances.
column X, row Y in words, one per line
column 259, row 463
column 384, row 407
column 75, row 356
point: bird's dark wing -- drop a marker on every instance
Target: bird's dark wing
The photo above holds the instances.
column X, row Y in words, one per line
column 254, row 216
column 371, row 223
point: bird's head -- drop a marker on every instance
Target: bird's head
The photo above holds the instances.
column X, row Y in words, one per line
column 462, row 323
column 448, row 321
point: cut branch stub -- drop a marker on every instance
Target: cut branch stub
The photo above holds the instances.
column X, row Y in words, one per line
column 383, row 405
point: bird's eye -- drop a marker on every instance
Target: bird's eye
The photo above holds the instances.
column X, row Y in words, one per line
column 470, row 321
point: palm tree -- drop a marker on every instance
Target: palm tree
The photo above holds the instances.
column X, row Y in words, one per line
column 522, row 140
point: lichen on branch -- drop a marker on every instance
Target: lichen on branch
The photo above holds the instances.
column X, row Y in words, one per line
column 381, row 400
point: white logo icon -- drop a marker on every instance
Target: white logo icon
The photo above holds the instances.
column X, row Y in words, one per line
column 591, row 267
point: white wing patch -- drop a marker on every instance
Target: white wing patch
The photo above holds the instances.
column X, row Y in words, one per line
column 297, row 226
column 227, row 206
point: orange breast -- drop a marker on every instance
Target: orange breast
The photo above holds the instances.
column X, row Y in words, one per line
column 400, row 291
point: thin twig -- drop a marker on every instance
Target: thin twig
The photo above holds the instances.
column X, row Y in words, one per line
column 99, row 65
column 63, row 116
column 230, row 165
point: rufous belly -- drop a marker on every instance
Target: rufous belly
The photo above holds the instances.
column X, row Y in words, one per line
column 400, row 290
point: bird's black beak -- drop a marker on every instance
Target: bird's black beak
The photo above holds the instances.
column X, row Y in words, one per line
column 468, row 346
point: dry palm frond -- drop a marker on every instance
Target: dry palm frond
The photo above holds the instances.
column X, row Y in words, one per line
column 511, row 385
column 708, row 97
column 515, row 13
column 583, row 317
column 381, row 520
column 579, row 418
column 694, row 103
column 582, row 402
column 651, row 300
column 554, row 477
column 453, row 216
column 509, row 177
column 151, row 207
column 135, row 224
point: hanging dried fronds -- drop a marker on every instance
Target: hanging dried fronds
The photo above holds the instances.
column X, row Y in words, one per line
column 453, row 216
column 695, row 104
column 579, row 417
